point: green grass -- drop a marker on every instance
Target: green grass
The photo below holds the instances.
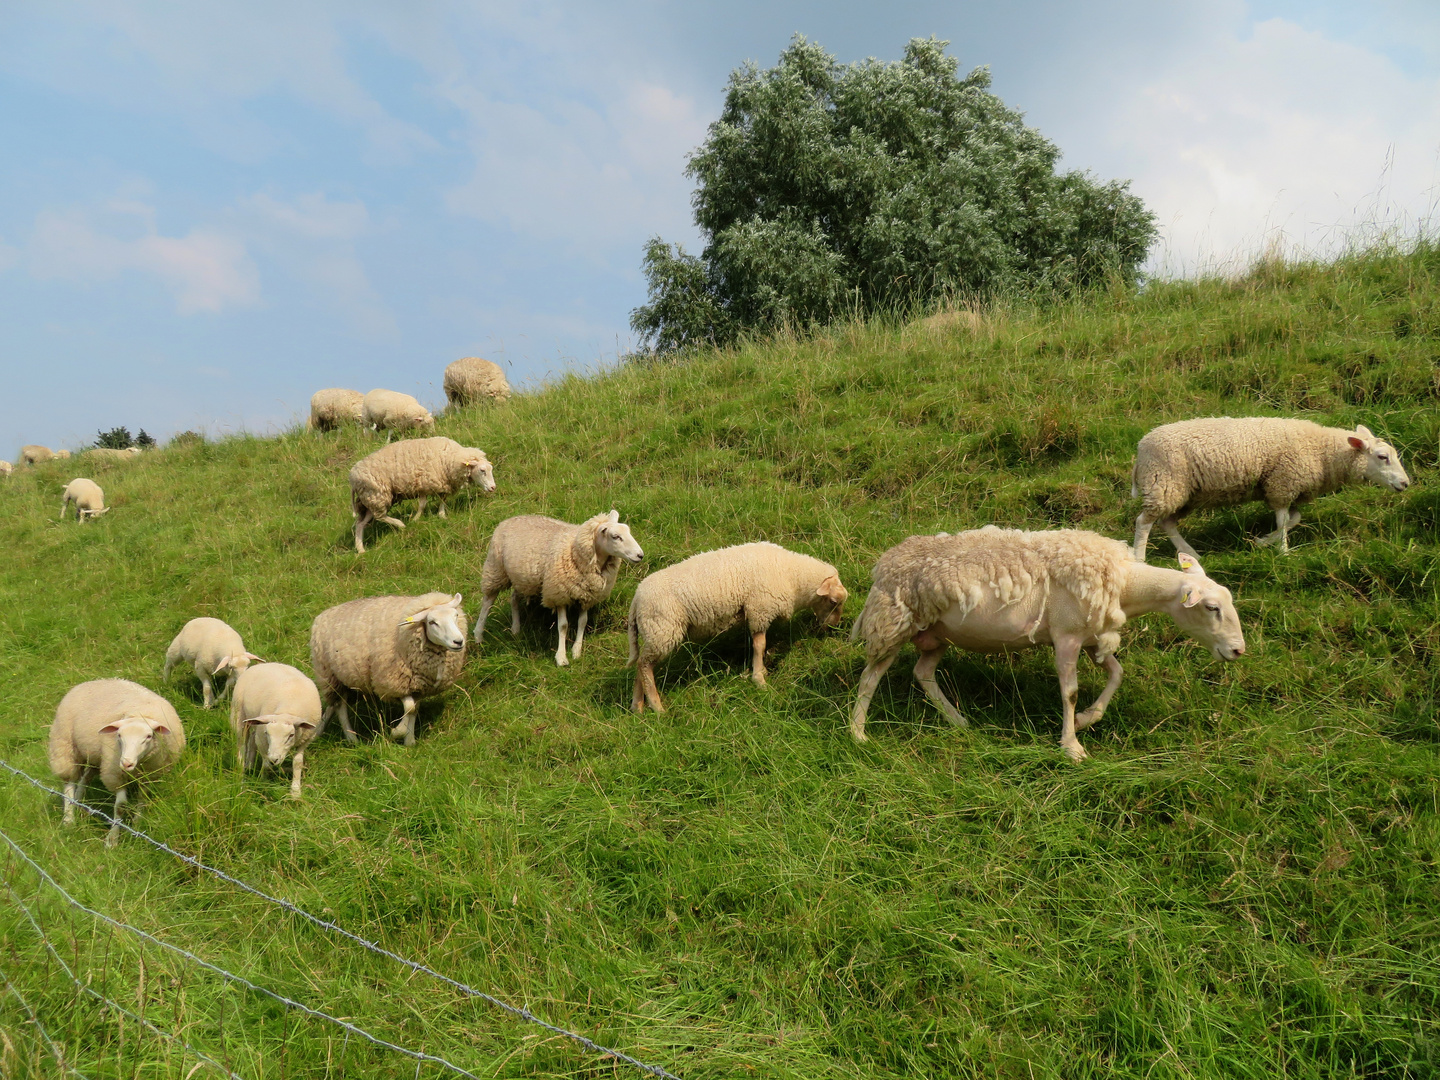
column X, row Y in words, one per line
column 1241, row 882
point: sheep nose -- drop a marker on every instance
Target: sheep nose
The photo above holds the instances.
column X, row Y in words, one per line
column 1239, row 651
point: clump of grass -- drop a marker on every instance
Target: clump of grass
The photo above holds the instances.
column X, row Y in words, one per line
column 1240, row 882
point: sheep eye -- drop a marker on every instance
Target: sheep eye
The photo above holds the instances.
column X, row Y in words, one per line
column 1385, row 458
column 1213, row 607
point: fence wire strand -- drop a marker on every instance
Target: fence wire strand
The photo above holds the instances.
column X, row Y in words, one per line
column 469, row 991
column 55, row 1050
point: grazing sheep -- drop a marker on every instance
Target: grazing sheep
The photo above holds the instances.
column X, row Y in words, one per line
column 1224, row 461
column 561, row 563
column 89, row 500
column 275, row 712
column 210, row 646
column 397, row 648
column 62, row 454
column 709, row 593
column 390, row 410
column 1004, row 590
column 331, row 408
column 415, row 468
column 118, row 729
column 105, row 453
column 34, row 455
column 470, row 379
column 6, row 468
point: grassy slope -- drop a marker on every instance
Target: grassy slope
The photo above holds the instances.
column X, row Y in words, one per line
column 1242, row 881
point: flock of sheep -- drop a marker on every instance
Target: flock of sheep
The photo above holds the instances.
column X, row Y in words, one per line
column 986, row 590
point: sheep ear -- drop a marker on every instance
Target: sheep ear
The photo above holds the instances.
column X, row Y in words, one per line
column 254, row 720
column 411, row 620
column 614, row 516
column 1189, row 596
column 252, row 656
column 224, row 663
column 455, row 600
column 109, row 729
column 306, row 725
column 1364, row 432
column 831, row 588
column 1356, row 443
column 1190, row 564
column 160, row 729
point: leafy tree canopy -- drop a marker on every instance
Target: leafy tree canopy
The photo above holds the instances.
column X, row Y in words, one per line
column 825, row 188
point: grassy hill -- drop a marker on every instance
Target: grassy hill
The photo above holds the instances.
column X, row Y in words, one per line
column 1243, row 881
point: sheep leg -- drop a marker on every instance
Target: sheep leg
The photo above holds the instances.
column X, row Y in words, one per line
column 361, row 520
column 209, row 689
column 298, row 767
column 406, row 727
column 514, row 612
column 486, row 603
column 343, row 711
column 868, row 682
column 579, row 633
column 64, row 506
column 1285, row 520
column 392, row 521
column 925, row 676
column 1067, row 655
column 757, row 660
column 442, row 508
column 645, row 688
column 1143, row 525
column 562, row 622
column 113, row 836
column 1097, row 710
column 76, row 790
column 1171, row 525
column 243, row 752
column 419, row 509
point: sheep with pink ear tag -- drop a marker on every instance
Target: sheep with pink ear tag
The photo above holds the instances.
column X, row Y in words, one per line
column 115, row 728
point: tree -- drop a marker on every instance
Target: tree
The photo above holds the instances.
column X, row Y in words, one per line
column 826, row 188
column 117, row 438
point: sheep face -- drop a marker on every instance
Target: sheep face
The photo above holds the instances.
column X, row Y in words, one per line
column 1382, row 463
column 136, row 738
column 613, row 538
column 1206, row 612
column 829, row 601
column 482, row 474
column 237, row 663
column 442, row 624
column 424, row 423
column 275, row 735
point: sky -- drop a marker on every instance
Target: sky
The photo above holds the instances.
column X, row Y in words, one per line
column 209, row 211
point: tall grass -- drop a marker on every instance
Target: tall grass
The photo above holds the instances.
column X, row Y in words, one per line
column 1241, row 882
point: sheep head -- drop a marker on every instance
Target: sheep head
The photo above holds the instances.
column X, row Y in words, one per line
column 614, row 539
column 280, row 731
column 137, row 739
column 1382, row 463
column 1205, row 611
column 442, row 624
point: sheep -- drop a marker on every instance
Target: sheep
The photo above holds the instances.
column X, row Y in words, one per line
column 415, row 468
column 210, row 646
column 394, row 411
column 274, row 712
column 397, row 648
column 62, row 455
column 709, row 593
column 471, row 378
column 105, row 453
column 561, row 563
column 1225, row 461
column 331, row 408
column 6, row 468
column 118, row 729
column 34, row 455
column 1004, row 590
column 89, row 500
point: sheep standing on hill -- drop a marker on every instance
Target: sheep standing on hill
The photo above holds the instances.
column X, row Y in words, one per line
column 6, row 468
column 413, row 469
column 563, row 564
column 115, row 728
column 89, row 500
column 390, row 411
column 275, row 712
column 471, row 379
column 709, row 593
column 1004, row 590
column 105, row 453
column 1224, row 461
column 34, row 455
column 210, row 646
column 333, row 407
column 397, row 648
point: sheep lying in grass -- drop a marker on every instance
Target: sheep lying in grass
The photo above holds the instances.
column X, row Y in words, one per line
column 333, row 407
column 275, row 712
column 102, row 453
column 413, row 469
column 709, row 593
column 115, row 728
column 89, row 500
column 471, row 379
column 210, row 646
column 1004, row 590
column 390, row 411
column 397, row 648
column 563, row 564
column 1224, row 461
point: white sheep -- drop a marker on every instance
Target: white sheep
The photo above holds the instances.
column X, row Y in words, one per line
column 1225, row 461
column 471, row 379
column 275, row 712
column 707, row 594
column 105, row 453
column 396, row 648
column 413, row 469
column 6, row 468
column 390, row 411
column 333, row 407
column 34, row 455
column 89, row 500
column 563, row 564
column 210, row 646
column 118, row 729
column 1004, row 590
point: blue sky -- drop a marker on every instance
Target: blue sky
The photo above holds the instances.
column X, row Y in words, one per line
column 208, row 211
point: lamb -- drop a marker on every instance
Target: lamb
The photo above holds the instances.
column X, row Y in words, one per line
column 397, row 648
column 709, row 593
column 275, row 712
column 210, row 646
column 105, row 453
column 471, row 378
column 1225, row 461
column 415, row 468
column 89, row 500
column 34, row 455
column 331, row 408
column 118, row 729
column 1004, row 590
column 392, row 411
column 561, row 563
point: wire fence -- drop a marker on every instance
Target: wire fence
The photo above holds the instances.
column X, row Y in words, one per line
column 55, row 1050
column 519, row 1012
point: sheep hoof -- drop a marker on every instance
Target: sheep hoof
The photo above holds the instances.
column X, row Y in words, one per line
column 1075, row 750
column 560, row 660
